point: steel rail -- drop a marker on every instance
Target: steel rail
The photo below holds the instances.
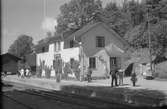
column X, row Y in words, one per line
column 18, row 102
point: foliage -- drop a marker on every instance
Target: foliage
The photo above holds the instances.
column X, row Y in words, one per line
column 67, row 70
column 41, row 67
column 70, row 68
column 39, row 70
column 22, row 45
column 75, row 14
column 47, row 71
column 129, row 20
column 75, row 67
column 103, row 61
column 153, row 25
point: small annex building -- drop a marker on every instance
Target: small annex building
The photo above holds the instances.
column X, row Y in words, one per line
column 9, row 63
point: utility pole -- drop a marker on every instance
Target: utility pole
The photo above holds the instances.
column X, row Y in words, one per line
column 149, row 38
column 81, row 56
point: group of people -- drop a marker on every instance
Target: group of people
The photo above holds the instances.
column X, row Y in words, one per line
column 115, row 75
column 24, row 69
column 24, row 72
column 118, row 74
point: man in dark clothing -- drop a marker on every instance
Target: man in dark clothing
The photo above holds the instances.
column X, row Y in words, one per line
column 89, row 73
column 114, row 77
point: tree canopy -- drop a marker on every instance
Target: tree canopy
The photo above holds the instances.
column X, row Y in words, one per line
column 154, row 26
column 76, row 14
column 22, row 46
column 134, row 21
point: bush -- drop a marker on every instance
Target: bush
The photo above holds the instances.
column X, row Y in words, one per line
column 47, row 71
column 69, row 68
column 67, row 71
column 76, row 69
column 161, row 70
column 39, row 71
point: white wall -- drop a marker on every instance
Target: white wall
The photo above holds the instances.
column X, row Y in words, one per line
column 69, row 53
column 66, row 54
column 46, row 56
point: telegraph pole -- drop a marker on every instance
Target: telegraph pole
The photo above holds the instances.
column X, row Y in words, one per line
column 149, row 39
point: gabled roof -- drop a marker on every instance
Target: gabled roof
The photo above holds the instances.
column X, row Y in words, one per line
column 49, row 41
column 7, row 56
column 83, row 30
column 92, row 25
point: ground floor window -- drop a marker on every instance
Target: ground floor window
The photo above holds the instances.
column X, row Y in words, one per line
column 113, row 60
column 92, row 62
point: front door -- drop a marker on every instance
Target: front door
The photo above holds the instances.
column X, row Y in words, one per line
column 113, row 63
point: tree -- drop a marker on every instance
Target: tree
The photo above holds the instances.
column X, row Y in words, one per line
column 22, row 45
column 75, row 14
column 152, row 29
column 138, row 37
column 121, row 19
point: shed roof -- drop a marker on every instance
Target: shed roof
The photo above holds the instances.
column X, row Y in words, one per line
column 7, row 57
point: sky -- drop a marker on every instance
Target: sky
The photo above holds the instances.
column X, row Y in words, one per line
column 28, row 17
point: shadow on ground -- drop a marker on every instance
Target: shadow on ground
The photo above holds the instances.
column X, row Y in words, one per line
column 136, row 97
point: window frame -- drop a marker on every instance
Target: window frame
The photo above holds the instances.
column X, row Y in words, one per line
column 71, row 43
column 100, row 41
column 92, row 62
column 113, row 60
column 57, row 46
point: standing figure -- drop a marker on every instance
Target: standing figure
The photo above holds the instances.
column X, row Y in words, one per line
column 120, row 76
column 114, row 77
column 134, row 78
column 22, row 73
column 89, row 73
column 27, row 71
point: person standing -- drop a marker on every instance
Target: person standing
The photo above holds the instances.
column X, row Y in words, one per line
column 89, row 73
column 134, row 78
column 114, row 77
column 120, row 76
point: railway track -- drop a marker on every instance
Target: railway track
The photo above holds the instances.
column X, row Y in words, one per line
column 81, row 102
column 17, row 102
column 69, row 98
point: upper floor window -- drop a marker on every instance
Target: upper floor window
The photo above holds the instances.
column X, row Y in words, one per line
column 71, row 43
column 57, row 46
column 92, row 62
column 43, row 49
column 100, row 41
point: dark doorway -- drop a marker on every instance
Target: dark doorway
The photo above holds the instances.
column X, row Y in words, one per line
column 128, row 70
column 113, row 63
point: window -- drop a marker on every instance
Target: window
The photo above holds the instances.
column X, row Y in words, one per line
column 55, row 47
column 71, row 43
column 113, row 60
column 59, row 45
column 72, row 62
column 92, row 62
column 43, row 49
column 100, row 41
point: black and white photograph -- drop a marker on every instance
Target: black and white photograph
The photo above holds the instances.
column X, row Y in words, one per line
column 83, row 54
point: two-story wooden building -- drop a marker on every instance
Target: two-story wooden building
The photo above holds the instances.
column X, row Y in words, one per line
column 101, row 48
column 95, row 45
